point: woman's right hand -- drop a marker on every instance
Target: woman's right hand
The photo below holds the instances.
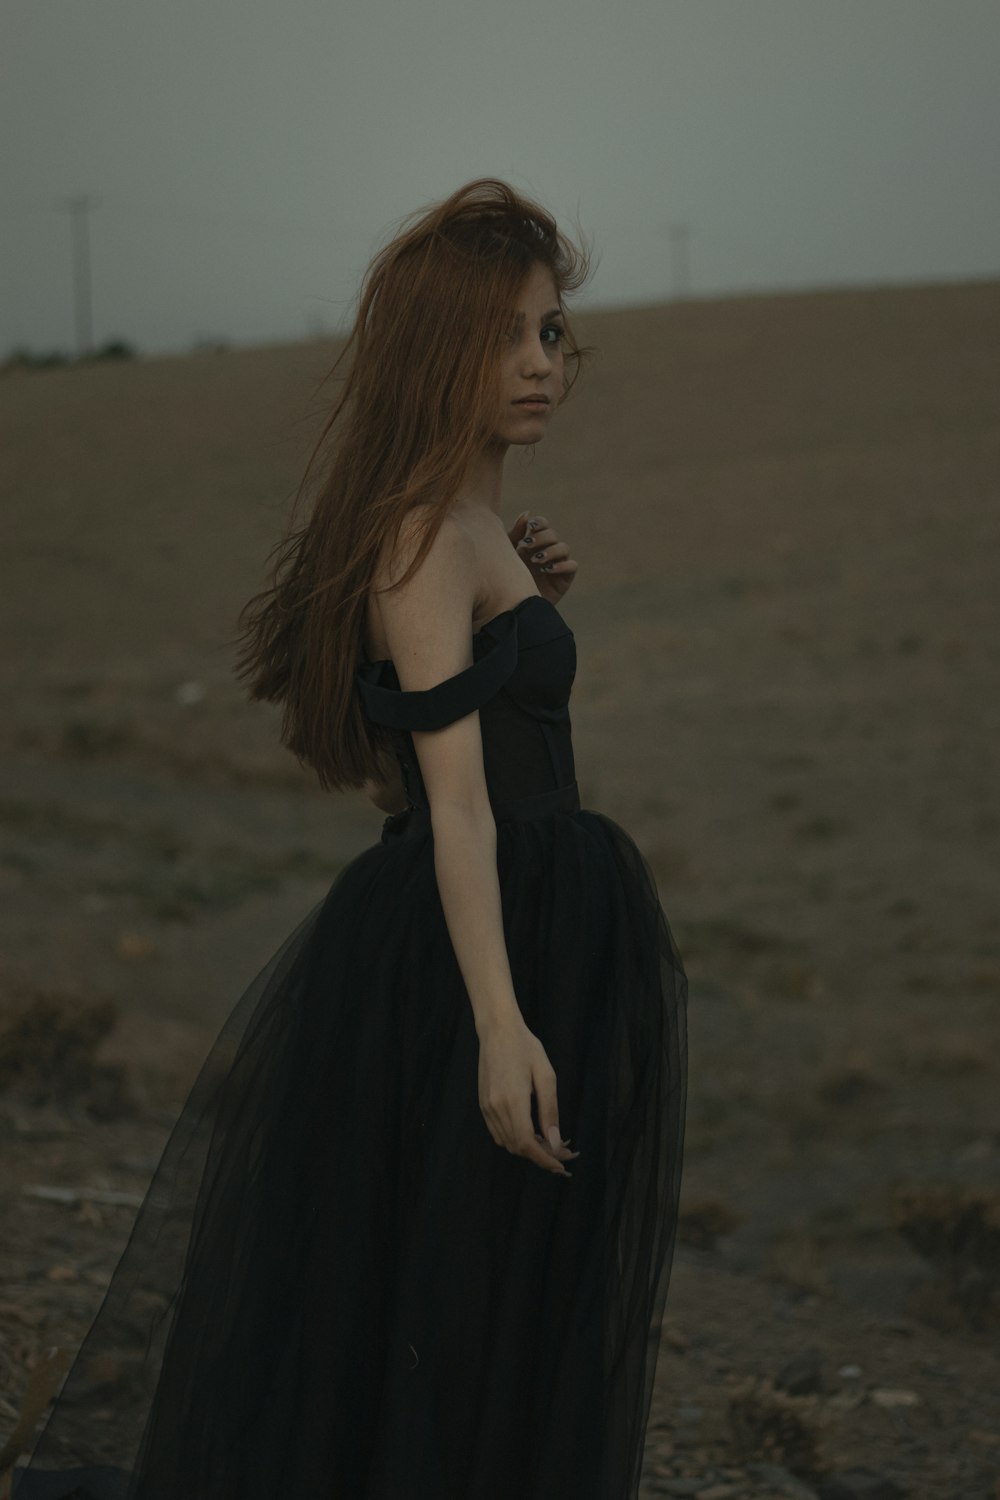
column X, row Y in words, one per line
column 512, row 1064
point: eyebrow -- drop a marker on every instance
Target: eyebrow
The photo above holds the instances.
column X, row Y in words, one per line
column 554, row 312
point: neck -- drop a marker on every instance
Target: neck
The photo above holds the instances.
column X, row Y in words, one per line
column 484, row 481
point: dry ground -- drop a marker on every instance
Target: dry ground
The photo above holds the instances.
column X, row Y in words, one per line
column 785, row 514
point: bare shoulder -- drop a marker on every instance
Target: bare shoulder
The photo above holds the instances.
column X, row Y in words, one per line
column 452, row 550
column 425, row 621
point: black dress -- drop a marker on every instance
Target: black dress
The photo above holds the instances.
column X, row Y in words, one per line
column 338, row 1286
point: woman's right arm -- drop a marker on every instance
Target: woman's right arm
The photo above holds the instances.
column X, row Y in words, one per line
column 427, row 624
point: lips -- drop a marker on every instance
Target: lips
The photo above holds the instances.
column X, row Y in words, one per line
column 525, row 400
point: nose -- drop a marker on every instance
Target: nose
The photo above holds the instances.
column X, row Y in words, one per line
column 537, row 360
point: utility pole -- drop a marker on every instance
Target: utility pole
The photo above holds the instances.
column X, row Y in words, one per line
column 680, row 262
column 79, row 207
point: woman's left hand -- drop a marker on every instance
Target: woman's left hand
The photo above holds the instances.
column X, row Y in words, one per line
column 538, row 546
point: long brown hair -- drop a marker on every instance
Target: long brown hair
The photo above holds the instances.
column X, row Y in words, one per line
column 418, row 404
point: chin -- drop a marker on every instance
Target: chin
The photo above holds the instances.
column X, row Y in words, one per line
column 527, row 431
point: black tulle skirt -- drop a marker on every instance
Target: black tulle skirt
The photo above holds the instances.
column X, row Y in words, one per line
column 338, row 1287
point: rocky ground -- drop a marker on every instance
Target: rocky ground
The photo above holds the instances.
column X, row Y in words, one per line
column 785, row 514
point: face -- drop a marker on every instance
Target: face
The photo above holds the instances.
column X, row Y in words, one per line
column 532, row 362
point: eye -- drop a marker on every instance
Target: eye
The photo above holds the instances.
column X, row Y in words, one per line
column 557, row 329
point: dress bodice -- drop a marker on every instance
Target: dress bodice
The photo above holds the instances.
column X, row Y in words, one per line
column 520, row 679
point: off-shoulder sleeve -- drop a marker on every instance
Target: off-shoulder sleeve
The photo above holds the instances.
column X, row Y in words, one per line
column 454, row 697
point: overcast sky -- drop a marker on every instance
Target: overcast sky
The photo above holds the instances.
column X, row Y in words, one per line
column 245, row 158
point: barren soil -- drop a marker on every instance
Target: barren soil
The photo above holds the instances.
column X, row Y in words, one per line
column 785, row 511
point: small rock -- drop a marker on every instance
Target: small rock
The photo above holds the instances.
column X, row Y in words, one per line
column 891, row 1399
column 62, row 1273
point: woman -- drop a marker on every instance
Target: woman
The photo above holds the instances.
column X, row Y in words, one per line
column 353, row 1275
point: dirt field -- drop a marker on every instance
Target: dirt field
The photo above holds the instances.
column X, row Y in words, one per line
column 785, row 511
